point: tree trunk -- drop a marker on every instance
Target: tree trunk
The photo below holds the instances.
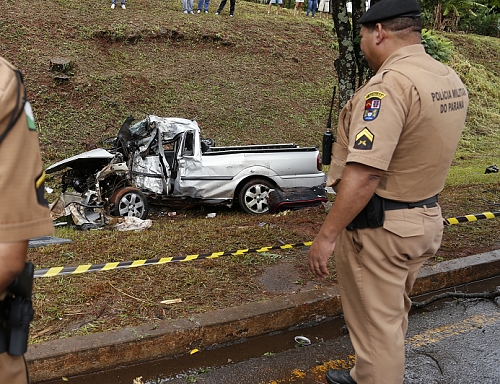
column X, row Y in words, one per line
column 345, row 65
column 351, row 66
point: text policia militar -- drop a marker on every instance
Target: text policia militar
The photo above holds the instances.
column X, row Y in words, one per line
column 449, row 94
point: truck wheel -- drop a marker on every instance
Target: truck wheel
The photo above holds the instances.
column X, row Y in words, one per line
column 253, row 196
column 129, row 201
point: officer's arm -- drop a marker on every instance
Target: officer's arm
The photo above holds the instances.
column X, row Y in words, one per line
column 12, row 260
column 357, row 186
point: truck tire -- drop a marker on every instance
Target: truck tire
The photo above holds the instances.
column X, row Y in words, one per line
column 253, row 196
column 129, row 201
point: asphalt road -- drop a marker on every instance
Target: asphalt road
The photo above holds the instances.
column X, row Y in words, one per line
column 449, row 341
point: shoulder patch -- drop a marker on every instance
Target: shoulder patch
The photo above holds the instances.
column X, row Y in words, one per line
column 29, row 116
column 364, row 139
column 372, row 105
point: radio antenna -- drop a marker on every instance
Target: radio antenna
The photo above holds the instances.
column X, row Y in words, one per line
column 328, row 138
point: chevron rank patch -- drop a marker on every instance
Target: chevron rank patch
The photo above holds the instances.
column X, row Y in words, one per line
column 372, row 105
column 364, row 139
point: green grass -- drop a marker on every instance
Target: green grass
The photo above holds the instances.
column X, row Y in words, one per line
column 477, row 61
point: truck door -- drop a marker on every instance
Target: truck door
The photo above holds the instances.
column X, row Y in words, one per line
column 150, row 170
column 189, row 164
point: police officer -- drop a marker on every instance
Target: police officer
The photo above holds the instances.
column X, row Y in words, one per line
column 396, row 140
column 23, row 212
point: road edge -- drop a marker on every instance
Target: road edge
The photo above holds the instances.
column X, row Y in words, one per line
column 102, row 351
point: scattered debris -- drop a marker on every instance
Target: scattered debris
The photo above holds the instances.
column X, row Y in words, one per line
column 126, row 294
column 131, row 223
column 68, row 209
column 491, row 169
column 47, row 240
column 171, row 301
column 302, row 341
column 283, row 213
column 328, row 206
column 296, row 198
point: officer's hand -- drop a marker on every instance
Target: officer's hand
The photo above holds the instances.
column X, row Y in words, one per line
column 319, row 253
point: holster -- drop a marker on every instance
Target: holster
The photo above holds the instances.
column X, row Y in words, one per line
column 16, row 313
column 371, row 216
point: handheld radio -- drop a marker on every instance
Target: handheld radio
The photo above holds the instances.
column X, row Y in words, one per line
column 328, row 138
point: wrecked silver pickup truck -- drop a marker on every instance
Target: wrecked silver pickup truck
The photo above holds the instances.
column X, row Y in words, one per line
column 165, row 161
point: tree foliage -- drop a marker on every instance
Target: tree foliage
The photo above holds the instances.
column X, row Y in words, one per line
column 476, row 16
column 438, row 47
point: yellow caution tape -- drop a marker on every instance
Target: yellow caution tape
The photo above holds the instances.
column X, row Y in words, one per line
column 58, row 271
column 469, row 218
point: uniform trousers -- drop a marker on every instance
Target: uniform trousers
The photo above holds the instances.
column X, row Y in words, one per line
column 13, row 369
column 376, row 270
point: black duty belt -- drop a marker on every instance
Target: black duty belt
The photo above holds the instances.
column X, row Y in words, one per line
column 390, row 205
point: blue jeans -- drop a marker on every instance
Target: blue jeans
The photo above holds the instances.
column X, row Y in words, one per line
column 312, row 5
column 187, row 5
column 114, row 2
column 201, row 3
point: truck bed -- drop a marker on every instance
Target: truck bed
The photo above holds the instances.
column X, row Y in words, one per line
column 257, row 149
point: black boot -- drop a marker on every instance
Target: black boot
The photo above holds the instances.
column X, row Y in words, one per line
column 339, row 376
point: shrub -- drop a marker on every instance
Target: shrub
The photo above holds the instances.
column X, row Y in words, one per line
column 438, row 47
column 484, row 22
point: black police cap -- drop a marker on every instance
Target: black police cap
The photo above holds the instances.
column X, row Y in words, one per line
column 389, row 9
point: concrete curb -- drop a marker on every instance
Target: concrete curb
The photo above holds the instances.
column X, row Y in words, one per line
column 96, row 352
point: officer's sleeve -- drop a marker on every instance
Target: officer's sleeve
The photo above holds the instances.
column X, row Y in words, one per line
column 378, row 117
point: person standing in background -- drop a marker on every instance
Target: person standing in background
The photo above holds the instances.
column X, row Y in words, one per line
column 187, row 6
column 324, row 6
column 312, row 5
column 299, row 4
column 232, row 4
column 113, row 4
column 271, row 2
column 203, row 5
